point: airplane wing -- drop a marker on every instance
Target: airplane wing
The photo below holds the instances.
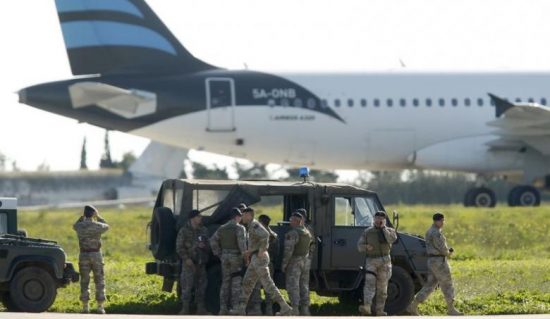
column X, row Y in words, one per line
column 123, row 102
column 521, row 125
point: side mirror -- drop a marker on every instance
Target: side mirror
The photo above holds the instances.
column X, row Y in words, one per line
column 22, row 233
column 395, row 221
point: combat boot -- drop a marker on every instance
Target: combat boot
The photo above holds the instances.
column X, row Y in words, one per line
column 452, row 311
column 255, row 310
column 240, row 310
column 269, row 309
column 85, row 307
column 201, row 310
column 100, row 308
column 365, row 310
column 412, row 309
column 381, row 313
column 286, row 310
column 184, row 308
column 304, row 311
column 223, row 311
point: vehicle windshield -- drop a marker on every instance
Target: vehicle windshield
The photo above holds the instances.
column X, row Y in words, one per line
column 355, row 211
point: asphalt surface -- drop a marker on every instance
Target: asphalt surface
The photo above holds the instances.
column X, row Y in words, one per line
column 6, row 315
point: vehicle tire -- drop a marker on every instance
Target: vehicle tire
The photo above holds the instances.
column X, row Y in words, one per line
column 163, row 233
column 214, row 273
column 400, row 291
column 8, row 304
column 480, row 197
column 524, row 196
column 32, row 289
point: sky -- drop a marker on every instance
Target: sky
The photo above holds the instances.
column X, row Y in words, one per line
column 272, row 36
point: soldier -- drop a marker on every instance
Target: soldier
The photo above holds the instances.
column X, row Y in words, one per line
column 258, row 266
column 89, row 229
column 229, row 244
column 376, row 241
column 192, row 247
column 313, row 246
column 439, row 269
column 295, row 260
column 255, row 299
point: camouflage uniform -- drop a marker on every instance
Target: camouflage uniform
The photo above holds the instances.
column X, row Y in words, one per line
column 378, row 266
column 187, row 247
column 229, row 243
column 439, row 269
column 258, row 269
column 255, row 302
column 90, row 259
column 295, row 261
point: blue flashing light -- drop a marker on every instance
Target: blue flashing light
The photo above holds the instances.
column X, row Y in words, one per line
column 304, row 172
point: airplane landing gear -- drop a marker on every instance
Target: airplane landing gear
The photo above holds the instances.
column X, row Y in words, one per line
column 524, row 195
column 480, row 197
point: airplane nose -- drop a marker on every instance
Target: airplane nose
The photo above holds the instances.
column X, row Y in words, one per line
column 22, row 96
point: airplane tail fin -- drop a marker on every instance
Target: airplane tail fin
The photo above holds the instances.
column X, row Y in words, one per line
column 120, row 36
column 159, row 161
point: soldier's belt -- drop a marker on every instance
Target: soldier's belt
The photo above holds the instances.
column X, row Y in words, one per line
column 378, row 256
column 89, row 250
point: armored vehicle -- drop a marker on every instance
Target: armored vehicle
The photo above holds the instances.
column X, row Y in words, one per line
column 31, row 270
column 339, row 213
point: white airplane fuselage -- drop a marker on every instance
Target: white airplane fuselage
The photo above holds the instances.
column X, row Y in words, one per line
column 423, row 120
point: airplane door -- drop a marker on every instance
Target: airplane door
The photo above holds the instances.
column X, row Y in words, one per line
column 220, row 104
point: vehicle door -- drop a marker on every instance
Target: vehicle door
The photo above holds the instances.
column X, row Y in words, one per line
column 351, row 215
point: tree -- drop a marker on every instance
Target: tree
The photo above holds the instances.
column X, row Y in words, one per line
column 200, row 171
column 83, row 156
column 128, row 159
column 2, row 162
column 257, row 171
column 106, row 159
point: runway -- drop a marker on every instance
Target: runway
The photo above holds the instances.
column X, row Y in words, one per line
column 6, row 315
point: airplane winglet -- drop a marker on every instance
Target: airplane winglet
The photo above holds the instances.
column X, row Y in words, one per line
column 501, row 105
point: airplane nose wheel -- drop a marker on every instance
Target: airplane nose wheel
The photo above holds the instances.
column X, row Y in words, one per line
column 480, row 197
column 524, row 196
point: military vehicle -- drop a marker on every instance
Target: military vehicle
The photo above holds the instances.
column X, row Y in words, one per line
column 339, row 214
column 31, row 269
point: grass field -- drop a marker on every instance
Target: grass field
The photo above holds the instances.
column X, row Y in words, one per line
column 502, row 262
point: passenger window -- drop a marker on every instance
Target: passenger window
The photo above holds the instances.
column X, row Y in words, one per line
column 442, row 102
column 428, row 102
column 3, row 223
column 337, row 103
column 376, row 102
column 324, row 103
column 415, row 102
column 467, row 101
column 272, row 206
column 480, row 102
column 350, row 102
column 168, row 198
column 531, row 100
column 311, row 103
column 355, row 211
column 403, row 102
column 208, row 200
column 178, row 201
column 285, row 102
column 343, row 213
column 543, row 101
column 518, row 100
column 492, row 102
column 389, row 102
column 298, row 103
column 454, row 102
column 271, row 102
column 363, row 102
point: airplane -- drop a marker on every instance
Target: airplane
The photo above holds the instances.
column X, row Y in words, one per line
column 134, row 76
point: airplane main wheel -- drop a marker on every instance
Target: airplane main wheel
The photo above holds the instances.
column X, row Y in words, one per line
column 480, row 197
column 524, row 196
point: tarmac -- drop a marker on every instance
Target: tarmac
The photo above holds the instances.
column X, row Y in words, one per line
column 50, row 315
